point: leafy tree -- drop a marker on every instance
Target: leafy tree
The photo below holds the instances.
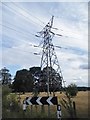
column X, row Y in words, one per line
column 35, row 70
column 72, row 90
column 40, row 78
column 36, row 73
column 5, row 76
column 54, row 79
column 23, row 81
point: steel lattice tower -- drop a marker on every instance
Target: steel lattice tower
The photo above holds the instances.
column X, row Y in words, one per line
column 49, row 58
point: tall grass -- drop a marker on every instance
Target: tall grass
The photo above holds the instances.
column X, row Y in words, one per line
column 36, row 112
column 81, row 101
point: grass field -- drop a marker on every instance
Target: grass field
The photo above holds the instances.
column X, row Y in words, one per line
column 81, row 101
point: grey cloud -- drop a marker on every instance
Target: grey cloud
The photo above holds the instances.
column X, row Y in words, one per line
column 84, row 66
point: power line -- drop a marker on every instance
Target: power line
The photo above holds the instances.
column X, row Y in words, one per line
column 38, row 46
column 51, row 15
column 29, row 13
column 16, row 30
column 29, row 33
column 57, row 17
column 32, row 34
column 25, row 34
column 27, row 37
column 21, row 27
column 21, row 14
column 34, row 53
column 32, row 20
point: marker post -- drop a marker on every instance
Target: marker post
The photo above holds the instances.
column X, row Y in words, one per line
column 24, row 105
column 59, row 112
column 24, row 108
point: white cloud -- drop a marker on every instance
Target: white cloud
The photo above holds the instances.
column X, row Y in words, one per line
column 22, row 55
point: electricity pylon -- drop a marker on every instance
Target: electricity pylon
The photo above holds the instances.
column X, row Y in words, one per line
column 49, row 59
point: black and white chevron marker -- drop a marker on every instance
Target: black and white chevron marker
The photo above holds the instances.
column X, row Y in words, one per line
column 41, row 101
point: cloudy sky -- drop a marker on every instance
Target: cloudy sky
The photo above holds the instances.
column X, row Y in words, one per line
column 20, row 23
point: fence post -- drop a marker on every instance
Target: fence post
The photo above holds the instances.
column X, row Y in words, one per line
column 48, row 111
column 42, row 109
column 58, row 112
column 31, row 109
column 74, row 107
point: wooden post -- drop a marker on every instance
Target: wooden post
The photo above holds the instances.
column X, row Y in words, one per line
column 48, row 111
column 31, row 109
column 42, row 109
column 36, row 108
column 74, row 107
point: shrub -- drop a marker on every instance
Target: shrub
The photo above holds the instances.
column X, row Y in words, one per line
column 5, row 90
column 72, row 90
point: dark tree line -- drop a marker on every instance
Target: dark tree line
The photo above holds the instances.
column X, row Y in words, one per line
column 35, row 79
column 23, row 81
